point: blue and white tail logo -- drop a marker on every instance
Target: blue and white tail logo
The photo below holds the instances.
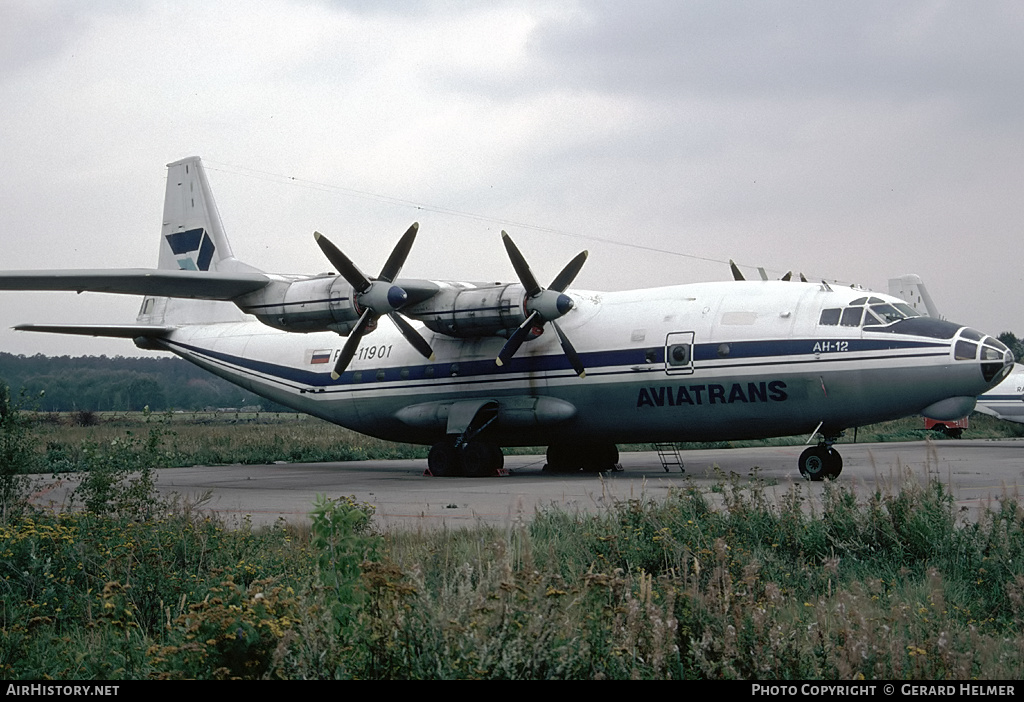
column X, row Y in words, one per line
column 193, row 249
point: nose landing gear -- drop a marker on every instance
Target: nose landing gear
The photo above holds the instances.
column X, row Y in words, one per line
column 821, row 462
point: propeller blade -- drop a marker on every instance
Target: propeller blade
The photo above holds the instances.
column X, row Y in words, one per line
column 522, row 267
column 397, row 258
column 517, row 339
column 570, row 351
column 735, row 271
column 348, row 270
column 569, row 273
column 351, row 344
column 412, row 336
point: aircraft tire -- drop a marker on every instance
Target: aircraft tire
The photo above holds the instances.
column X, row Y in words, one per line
column 444, row 460
column 601, row 458
column 561, row 459
column 589, row 458
column 820, row 462
column 482, row 459
column 835, row 464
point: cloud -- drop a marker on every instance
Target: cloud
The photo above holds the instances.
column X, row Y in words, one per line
column 850, row 141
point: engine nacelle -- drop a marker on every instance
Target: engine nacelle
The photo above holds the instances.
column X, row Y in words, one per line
column 307, row 305
column 467, row 310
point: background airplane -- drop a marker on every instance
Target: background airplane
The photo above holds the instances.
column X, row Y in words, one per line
column 469, row 368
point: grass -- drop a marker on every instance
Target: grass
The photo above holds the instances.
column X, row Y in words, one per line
column 129, row 587
column 224, row 438
column 892, row 589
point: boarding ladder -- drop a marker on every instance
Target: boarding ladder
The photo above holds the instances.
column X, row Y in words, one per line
column 669, row 456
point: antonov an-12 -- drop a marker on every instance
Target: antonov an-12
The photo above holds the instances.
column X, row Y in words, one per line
column 469, row 368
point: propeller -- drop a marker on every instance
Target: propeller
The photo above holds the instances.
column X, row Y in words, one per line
column 376, row 297
column 543, row 304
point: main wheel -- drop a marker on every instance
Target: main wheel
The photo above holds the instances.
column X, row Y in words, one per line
column 820, row 462
column 444, row 460
column 589, row 458
column 482, row 459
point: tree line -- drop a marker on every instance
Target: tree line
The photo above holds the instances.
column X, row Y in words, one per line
column 120, row 383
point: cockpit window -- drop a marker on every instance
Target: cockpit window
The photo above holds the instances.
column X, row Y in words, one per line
column 856, row 314
column 990, row 353
column 851, row 317
column 906, row 309
column 830, row 316
column 969, row 333
column 965, row 351
column 887, row 313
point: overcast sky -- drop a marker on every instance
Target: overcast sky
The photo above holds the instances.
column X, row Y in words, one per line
column 853, row 141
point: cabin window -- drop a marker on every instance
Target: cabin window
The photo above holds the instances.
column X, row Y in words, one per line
column 679, row 355
column 381, row 374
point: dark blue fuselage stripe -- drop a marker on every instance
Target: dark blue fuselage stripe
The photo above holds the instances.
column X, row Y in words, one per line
column 481, row 371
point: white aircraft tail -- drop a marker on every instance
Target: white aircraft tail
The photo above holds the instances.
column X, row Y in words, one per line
column 192, row 238
column 911, row 289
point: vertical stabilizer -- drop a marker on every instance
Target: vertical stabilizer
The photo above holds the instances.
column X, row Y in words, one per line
column 911, row 289
column 193, row 235
column 191, row 238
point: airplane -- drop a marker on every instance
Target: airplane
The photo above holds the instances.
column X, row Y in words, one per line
column 1006, row 400
column 470, row 368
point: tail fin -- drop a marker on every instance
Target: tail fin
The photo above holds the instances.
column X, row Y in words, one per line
column 911, row 289
column 192, row 238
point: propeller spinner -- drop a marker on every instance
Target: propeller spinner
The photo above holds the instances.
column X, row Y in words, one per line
column 376, row 297
column 544, row 305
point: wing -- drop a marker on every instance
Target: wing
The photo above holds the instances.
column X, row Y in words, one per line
column 121, row 331
column 199, row 285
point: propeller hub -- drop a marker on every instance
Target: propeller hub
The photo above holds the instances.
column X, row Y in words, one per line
column 550, row 304
column 397, row 297
column 563, row 304
column 383, row 298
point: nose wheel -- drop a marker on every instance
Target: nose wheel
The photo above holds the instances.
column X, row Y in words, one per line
column 820, row 462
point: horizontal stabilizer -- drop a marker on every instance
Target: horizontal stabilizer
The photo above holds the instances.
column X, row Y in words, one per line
column 198, row 285
column 120, row 331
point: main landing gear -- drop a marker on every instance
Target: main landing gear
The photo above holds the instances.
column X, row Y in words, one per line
column 475, row 459
column 481, row 458
column 821, row 461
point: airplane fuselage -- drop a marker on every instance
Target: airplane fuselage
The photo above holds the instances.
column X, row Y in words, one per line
column 703, row 361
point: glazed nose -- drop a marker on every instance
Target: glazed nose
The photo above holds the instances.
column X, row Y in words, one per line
column 996, row 359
